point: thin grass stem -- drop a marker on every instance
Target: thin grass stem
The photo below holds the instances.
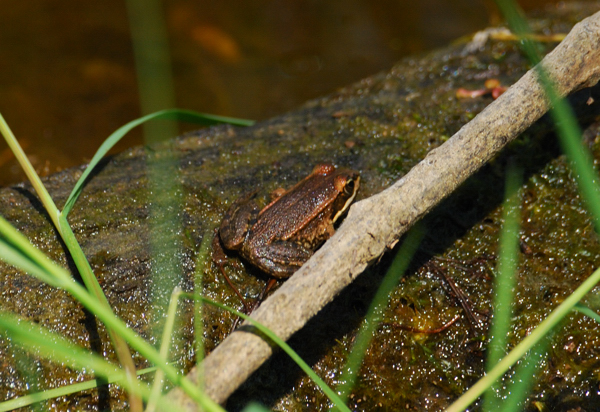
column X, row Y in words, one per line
column 330, row 393
column 379, row 302
column 505, row 280
column 545, row 327
column 165, row 345
column 20, row 251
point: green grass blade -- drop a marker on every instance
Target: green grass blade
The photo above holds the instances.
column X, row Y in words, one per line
column 330, row 393
column 48, row 394
column 44, row 268
column 57, row 219
column 165, row 345
column 544, row 328
column 380, row 301
column 105, row 314
column 201, row 261
column 53, row 346
column 26, row 367
column 19, row 252
column 567, row 126
column 29, row 170
column 255, row 407
column 66, row 234
column 518, row 25
column 170, row 114
column 587, row 182
column 524, row 378
column 150, row 44
column 505, row 281
column 579, row 157
column 91, row 282
column 584, row 310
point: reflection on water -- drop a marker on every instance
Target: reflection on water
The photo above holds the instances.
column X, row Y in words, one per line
column 67, row 76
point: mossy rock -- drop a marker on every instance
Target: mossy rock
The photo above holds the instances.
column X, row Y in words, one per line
column 381, row 126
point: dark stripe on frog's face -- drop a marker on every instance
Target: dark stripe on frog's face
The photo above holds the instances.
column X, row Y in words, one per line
column 354, row 182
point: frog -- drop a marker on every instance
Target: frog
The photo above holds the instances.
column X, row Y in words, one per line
column 279, row 238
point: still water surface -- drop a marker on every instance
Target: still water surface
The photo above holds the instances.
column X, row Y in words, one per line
column 67, row 73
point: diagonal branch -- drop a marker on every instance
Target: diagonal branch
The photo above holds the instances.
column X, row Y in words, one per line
column 375, row 224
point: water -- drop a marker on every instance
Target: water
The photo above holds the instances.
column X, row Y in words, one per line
column 67, row 75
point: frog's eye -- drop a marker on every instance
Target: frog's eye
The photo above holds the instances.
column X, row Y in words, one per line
column 347, row 183
column 349, row 187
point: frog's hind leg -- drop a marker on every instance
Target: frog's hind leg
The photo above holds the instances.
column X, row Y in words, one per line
column 268, row 286
column 263, row 294
column 280, row 259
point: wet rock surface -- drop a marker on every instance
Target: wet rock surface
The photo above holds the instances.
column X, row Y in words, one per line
column 381, row 127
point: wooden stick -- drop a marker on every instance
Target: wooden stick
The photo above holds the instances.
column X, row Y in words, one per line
column 375, row 224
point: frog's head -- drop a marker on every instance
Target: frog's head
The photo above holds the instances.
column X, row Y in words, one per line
column 346, row 183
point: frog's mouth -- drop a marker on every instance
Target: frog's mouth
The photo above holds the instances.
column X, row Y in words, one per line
column 348, row 201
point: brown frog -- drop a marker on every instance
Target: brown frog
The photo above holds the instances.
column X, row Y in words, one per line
column 283, row 235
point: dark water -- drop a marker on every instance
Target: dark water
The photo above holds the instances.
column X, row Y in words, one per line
column 67, row 74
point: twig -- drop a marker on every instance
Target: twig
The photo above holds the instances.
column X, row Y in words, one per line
column 377, row 222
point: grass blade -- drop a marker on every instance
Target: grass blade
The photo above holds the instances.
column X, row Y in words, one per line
column 43, row 268
column 201, row 261
column 562, row 114
column 584, row 310
column 53, row 346
column 29, row 170
column 165, row 344
column 66, row 234
column 330, row 393
column 544, row 328
column 523, row 379
column 380, row 301
column 587, row 182
column 170, row 114
column 505, row 280
column 48, row 394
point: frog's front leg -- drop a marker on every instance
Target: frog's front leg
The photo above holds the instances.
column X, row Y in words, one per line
column 232, row 233
column 280, row 258
column 220, row 260
column 238, row 220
